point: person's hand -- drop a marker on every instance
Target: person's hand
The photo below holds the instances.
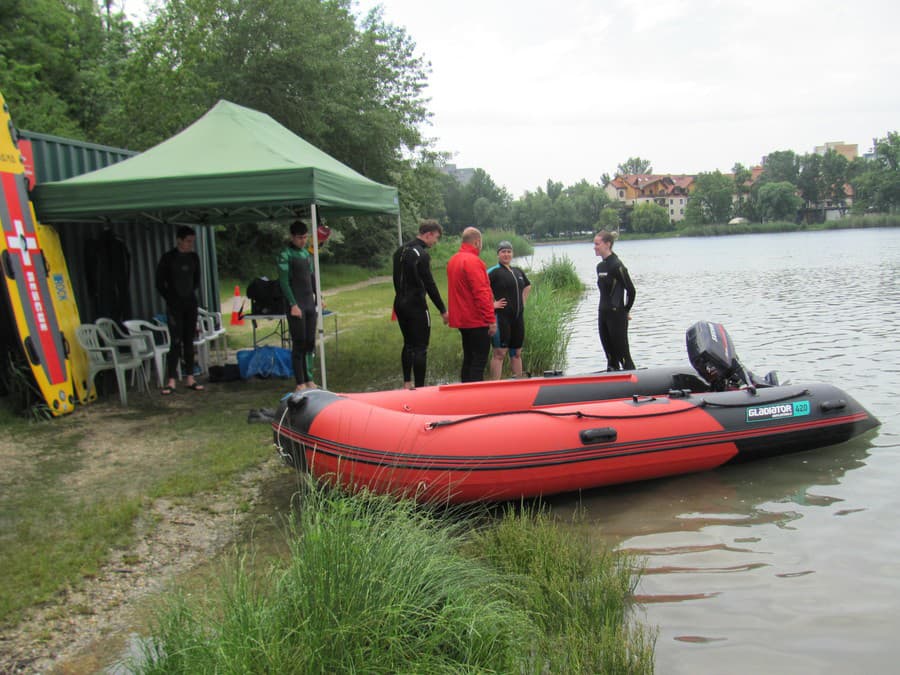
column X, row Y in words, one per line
column 296, row 311
column 629, row 316
column 492, row 328
column 500, row 304
column 445, row 317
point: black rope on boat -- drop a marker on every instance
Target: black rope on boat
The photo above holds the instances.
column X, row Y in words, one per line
column 575, row 413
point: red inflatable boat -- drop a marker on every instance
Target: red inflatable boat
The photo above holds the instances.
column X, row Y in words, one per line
column 490, row 441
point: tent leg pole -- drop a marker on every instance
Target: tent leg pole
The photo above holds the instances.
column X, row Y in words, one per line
column 320, row 320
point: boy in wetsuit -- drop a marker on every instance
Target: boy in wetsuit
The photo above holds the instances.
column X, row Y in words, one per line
column 617, row 296
column 295, row 275
column 412, row 280
column 178, row 282
column 510, row 287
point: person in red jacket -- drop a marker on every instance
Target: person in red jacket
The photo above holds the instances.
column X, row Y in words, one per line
column 471, row 305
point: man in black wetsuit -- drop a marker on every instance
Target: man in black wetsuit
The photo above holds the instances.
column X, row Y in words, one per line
column 412, row 281
column 510, row 287
column 617, row 296
column 178, row 282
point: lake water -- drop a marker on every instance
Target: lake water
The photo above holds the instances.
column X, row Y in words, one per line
column 788, row 565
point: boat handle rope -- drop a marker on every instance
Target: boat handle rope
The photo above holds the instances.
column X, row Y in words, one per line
column 575, row 413
column 712, row 404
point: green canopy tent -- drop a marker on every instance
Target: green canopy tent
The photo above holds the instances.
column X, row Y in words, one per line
column 233, row 165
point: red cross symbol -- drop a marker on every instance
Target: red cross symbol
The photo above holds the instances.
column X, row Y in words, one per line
column 20, row 242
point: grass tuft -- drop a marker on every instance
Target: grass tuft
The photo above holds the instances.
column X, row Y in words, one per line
column 578, row 594
column 377, row 585
column 372, row 584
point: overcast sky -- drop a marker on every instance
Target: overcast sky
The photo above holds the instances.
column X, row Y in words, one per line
column 568, row 90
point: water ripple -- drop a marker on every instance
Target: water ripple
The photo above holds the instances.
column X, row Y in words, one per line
column 794, row 559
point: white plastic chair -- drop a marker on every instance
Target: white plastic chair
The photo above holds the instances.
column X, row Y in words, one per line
column 137, row 345
column 103, row 356
column 200, row 345
column 159, row 339
column 214, row 331
column 113, row 333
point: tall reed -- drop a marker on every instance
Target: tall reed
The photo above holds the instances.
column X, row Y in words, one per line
column 555, row 292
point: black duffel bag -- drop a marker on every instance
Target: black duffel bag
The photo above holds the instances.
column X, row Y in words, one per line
column 265, row 297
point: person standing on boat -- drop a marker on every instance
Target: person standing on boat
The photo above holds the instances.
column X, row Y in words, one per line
column 178, row 282
column 471, row 305
column 617, row 296
column 412, row 281
column 295, row 275
column 510, row 287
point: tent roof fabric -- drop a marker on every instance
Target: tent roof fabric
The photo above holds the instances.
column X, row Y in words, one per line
column 232, row 165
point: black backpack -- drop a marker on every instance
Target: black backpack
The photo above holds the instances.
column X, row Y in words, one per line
column 265, row 297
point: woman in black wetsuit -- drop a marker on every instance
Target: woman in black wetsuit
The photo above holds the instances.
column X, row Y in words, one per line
column 617, row 296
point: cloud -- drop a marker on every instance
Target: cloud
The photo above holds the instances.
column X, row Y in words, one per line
column 527, row 93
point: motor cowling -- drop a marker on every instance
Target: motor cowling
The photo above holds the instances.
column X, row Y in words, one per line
column 712, row 354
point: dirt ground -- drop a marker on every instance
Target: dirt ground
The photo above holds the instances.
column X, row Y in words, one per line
column 67, row 634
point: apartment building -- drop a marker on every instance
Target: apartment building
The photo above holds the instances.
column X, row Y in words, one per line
column 667, row 190
column 848, row 150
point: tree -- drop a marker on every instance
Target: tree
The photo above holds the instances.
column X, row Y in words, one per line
column 778, row 201
column 877, row 182
column 589, row 200
column 834, row 178
column 460, row 201
column 781, row 166
column 482, row 215
column 887, row 151
column 564, row 215
column 482, row 185
column 711, row 201
column 610, row 219
column 421, row 192
column 693, row 214
column 533, row 213
column 554, row 189
column 634, row 165
column 355, row 92
column 649, row 218
column 58, row 64
column 171, row 77
column 454, row 203
column 742, row 178
column 810, row 179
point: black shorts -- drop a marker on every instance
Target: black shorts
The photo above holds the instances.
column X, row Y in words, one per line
column 510, row 332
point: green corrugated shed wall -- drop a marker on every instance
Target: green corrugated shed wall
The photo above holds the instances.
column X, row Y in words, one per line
column 57, row 158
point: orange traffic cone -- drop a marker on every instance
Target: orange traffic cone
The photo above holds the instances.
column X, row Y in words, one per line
column 237, row 318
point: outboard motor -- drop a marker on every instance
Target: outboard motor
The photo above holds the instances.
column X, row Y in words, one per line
column 712, row 354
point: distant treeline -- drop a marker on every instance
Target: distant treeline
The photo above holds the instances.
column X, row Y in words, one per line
column 353, row 86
